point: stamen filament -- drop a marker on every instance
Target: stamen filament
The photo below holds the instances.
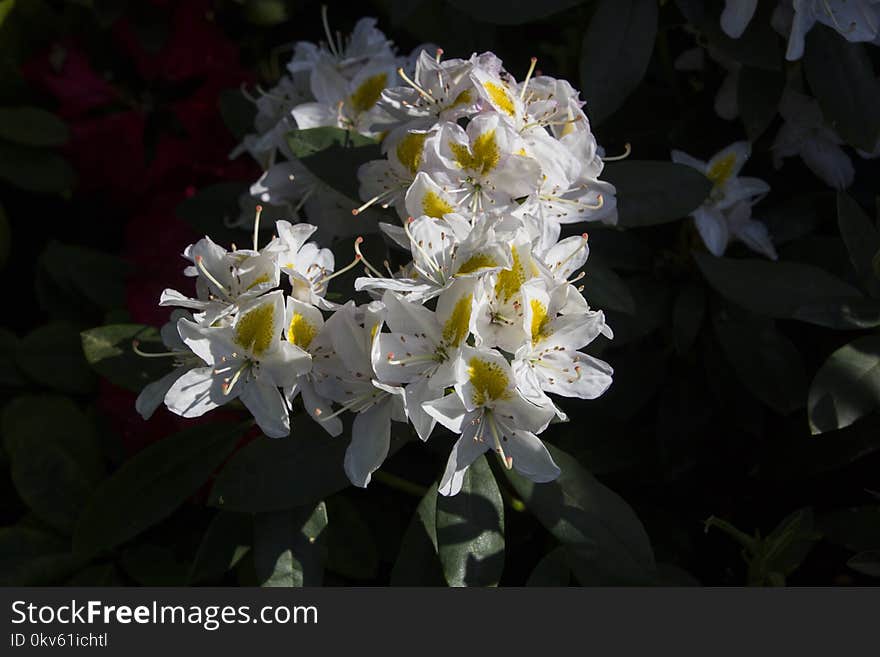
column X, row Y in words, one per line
column 525, row 84
column 357, row 250
column 627, row 149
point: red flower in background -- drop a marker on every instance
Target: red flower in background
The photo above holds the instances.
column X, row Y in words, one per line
column 140, row 147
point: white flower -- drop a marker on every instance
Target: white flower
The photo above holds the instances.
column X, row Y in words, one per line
column 715, row 219
column 550, row 360
column 806, row 134
column 247, row 360
column 490, row 414
column 308, row 267
column 423, row 349
column 224, row 279
column 153, row 394
column 736, row 16
column 387, row 181
column 854, row 20
column 305, row 325
column 348, row 379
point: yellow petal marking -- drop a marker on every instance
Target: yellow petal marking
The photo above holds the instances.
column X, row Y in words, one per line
column 409, row 151
column 540, row 320
column 457, row 326
column 510, row 280
column 489, row 381
column 368, row 92
column 435, row 206
column 483, row 155
column 301, row 331
column 500, row 97
column 720, row 172
column 255, row 329
column 477, row 262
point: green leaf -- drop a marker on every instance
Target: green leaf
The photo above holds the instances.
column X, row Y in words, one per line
column 153, row 565
column 5, row 238
column 35, row 169
column 606, row 542
column 83, row 273
column 847, row 386
column 257, row 478
column 859, row 234
column 846, row 314
column 104, row 574
column 30, row 557
column 651, row 193
column 687, row 316
column 55, row 457
column 604, row 289
column 52, row 356
column 777, row 289
column 552, row 569
column 843, row 80
column 10, row 373
column 615, row 53
column 767, row 363
column 351, row 546
column 417, row 563
column 758, row 93
column 334, row 156
column 511, row 12
column 150, row 486
column 5, row 7
column 290, row 546
column 866, row 563
column 108, row 350
column 227, row 539
column 470, row 529
column 266, row 13
column 237, row 112
column 32, row 126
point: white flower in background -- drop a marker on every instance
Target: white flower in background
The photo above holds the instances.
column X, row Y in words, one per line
column 806, row 134
column 714, row 220
column 308, row 267
column 854, row 20
column 247, row 360
column 693, row 59
column 736, row 16
column 491, row 414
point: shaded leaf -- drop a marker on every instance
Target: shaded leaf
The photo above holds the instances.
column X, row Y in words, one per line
column 266, row 13
column 859, row 234
column 237, row 112
column 151, row 485
column 867, row 563
column 153, row 565
column 774, row 289
column 29, row 557
column 417, row 563
column 470, row 529
column 604, row 289
column 606, row 542
column 257, row 478
column 615, row 53
column 85, row 273
column 290, row 546
column 511, row 12
column 35, row 169
column 52, row 356
column 32, row 126
column 687, row 316
column 856, row 528
column 334, row 156
column 5, row 237
column 227, row 539
column 758, row 93
column 108, row 350
column 351, row 546
column 651, row 193
column 55, row 457
column 847, row 386
column 552, row 569
column 843, row 81
column 10, row 373
column 767, row 363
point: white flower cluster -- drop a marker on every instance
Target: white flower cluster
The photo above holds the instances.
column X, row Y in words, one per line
column 480, row 325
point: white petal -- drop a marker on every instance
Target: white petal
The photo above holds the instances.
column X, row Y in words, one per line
column 266, row 404
column 736, row 16
column 370, row 440
column 464, row 452
column 319, row 408
column 756, row 236
column 448, row 411
column 530, row 457
column 153, row 394
column 713, row 229
column 197, row 392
